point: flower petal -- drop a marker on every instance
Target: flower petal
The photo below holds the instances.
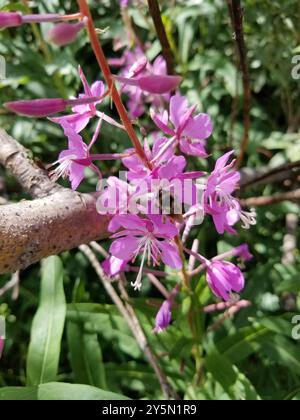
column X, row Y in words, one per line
column 170, row 255
column 124, row 248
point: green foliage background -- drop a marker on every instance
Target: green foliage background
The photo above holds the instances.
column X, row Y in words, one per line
column 77, row 335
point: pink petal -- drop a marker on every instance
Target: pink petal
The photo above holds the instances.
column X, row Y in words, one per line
column 196, row 148
column 161, row 121
column 113, row 266
column 97, row 88
column 127, row 221
column 158, row 144
column 222, row 161
column 76, row 175
column 170, row 255
column 178, row 108
column 125, row 248
column 163, row 228
column 77, row 121
column 174, row 167
column 199, row 127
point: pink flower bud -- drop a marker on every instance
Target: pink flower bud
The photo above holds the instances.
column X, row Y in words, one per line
column 38, row 107
column 163, row 317
column 65, row 33
column 159, row 84
column 10, row 19
column 153, row 84
column 45, row 107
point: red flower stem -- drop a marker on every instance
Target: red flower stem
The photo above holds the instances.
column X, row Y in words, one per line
column 98, row 51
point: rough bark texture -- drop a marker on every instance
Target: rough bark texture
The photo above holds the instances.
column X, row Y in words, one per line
column 20, row 163
column 57, row 220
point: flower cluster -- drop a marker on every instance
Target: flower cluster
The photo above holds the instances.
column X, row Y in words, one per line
column 158, row 201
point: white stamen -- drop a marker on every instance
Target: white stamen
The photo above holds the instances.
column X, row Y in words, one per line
column 248, row 218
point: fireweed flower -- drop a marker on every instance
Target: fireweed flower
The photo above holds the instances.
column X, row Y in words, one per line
column 151, row 237
column 73, row 161
column 223, row 278
column 163, row 317
column 187, row 131
column 219, row 201
column 83, row 113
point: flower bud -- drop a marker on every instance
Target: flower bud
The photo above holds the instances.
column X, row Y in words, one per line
column 37, row 108
column 163, row 317
column 64, row 33
column 159, row 84
column 10, row 19
column 153, row 84
column 45, row 107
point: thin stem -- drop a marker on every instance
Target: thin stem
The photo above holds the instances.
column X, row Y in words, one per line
column 185, row 276
column 236, row 16
column 130, row 317
column 99, row 54
column 161, row 34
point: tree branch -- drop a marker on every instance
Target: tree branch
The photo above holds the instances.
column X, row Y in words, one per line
column 19, row 162
column 161, row 34
column 273, row 199
column 57, row 220
column 267, row 174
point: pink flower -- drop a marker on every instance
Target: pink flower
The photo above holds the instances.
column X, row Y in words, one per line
column 243, row 252
column 137, row 168
column 73, row 161
column 152, row 238
column 163, row 317
column 224, row 278
column 189, row 131
column 219, row 202
column 83, row 113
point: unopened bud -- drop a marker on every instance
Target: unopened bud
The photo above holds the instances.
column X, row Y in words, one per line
column 65, row 33
column 10, row 19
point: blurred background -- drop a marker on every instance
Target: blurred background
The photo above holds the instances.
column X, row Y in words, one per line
column 251, row 356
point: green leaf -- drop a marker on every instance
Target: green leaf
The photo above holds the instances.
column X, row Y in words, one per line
column 63, row 391
column 86, row 357
column 245, row 342
column 19, row 393
column 48, row 324
column 234, row 382
column 56, row 391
